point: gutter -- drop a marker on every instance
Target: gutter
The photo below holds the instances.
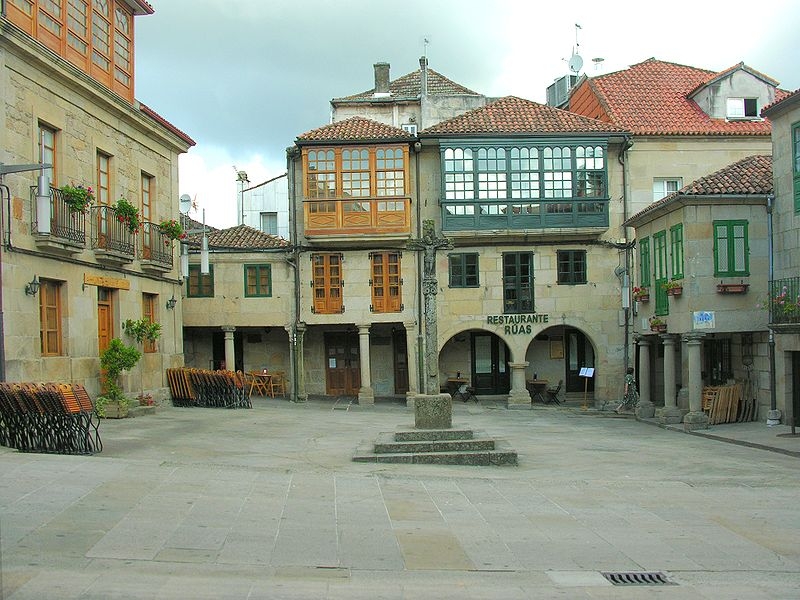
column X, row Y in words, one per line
column 774, row 415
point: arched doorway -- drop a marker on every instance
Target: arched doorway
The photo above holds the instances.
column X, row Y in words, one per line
column 480, row 355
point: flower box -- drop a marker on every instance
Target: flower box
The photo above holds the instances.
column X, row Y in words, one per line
column 660, row 328
column 643, row 298
column 732, row 288
column 675, row 291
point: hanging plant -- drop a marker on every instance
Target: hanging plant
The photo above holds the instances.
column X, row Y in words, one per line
column 172, row 229
column 128, row 214
column 76, row 197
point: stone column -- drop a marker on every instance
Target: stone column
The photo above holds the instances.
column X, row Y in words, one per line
column 670, row 413
column 518, row 396
column 365, row 395
column 413, row 367
column 695, row 418
column 646, row 409
column 300, row 367
column 230, row 352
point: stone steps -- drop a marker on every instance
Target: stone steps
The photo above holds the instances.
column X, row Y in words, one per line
column 437, row 446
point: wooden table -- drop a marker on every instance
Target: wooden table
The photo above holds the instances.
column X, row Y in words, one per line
column 260, row 381
column 538, row 389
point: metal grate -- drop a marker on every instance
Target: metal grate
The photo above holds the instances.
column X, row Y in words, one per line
column 638, row 578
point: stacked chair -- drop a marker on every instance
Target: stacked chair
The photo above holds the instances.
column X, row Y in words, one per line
column 46, row 417
column 208, row 389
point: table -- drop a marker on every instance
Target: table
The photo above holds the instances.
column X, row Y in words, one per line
column 454, row 383
column 538, row 390
column 259, row 381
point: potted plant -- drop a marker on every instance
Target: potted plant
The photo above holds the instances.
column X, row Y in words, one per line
column 115, row 359
column 732, row 288
column 657, row 324
column 783, row 307
column 641, row 294
column 142, row 330
column 673, row 287
column 172, row 230
column 76, row 197
column 128, row 214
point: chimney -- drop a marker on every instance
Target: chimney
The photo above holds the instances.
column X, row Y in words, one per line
column 423, row 76
column 381, row 79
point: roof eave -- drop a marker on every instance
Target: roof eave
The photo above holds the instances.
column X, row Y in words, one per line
column 653, row 212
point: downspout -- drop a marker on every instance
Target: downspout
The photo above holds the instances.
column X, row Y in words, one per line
column 2, row 321
column 623, row 160
column 294, row 261
column 774, row 415
column 420, row 300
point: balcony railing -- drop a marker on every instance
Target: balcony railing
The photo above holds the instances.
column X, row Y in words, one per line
column 489, row 215
column 111, row 235
column 365, row 216
column 65, row 225
column 156, row 246
column 784, row 301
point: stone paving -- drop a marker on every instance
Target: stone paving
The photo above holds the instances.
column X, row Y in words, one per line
column 267, row 503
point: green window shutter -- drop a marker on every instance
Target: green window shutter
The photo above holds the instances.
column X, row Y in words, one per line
column 676, row 243
column 731, row 249
column 644, row 262
column 660, row 272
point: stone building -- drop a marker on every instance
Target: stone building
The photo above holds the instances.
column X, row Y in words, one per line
column 71, row 277
column 783, row 295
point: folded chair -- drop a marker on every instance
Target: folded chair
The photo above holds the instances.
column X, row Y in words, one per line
column 552, row 393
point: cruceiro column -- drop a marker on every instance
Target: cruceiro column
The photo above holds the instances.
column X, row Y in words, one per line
column 365, row 395
column 519, row 396
column 230, row 352
column 670, row 413
column 695, row 418
column 645, row 409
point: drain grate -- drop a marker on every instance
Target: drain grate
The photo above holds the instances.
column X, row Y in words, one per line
column 638, row 578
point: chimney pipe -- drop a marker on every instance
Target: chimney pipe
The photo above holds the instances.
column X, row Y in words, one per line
column 381, row 79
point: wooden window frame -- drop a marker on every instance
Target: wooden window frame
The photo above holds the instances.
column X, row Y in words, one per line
column 199, row 285
column 464, row 270
column 676, row 250
column 571, row 267
column 50, row 329
column 103, row 176
column 256, row 270
column 517, row 281
column 149, row 304
column 335, row 166
column 150, row 235
column 386, row 282
column 729, row 226
column 327, row 283
column 49, row 153
column 122, row 42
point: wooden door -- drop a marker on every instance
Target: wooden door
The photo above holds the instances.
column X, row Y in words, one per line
column 489, row 364
column 342, row 368
column 578, row 353
column 400, row 361
column 105, row 320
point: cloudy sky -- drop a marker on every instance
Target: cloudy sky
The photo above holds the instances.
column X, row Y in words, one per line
column 244, row 78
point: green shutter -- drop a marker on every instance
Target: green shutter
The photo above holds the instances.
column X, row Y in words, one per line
column 676, row 243
column 644, row 262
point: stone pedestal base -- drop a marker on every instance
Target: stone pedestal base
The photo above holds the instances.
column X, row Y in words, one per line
column 433, row 412
column 519, row 400
column 646, row 410
column 774, row 417
column 669, row 416
column 695, row 420
column 366, row 396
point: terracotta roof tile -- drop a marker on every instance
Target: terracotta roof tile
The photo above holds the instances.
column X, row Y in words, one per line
column 164, row 123
column 409, row 86
column 751, row 176
column 652, row 98
column 512, row 115
column 788, row 98
column 354, row 129
column 240, row 237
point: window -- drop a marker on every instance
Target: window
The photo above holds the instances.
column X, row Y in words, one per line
column 676, row 245
column 257, row 281
column 463, row 269
column 796, row 165
column 150, row 237
column 149, row 316
column 742, row 108
column 103, row 193
column 571, row 266
column 269, row 222
column 101, row 35
column 410, row 128
column 355, row 172
column 718, row 368
column 518, row 282
column 47, row 150
column 644, row 262
column 50, row 317
column 78, row 25
column 327, row 283
column 731, row 250
column 50, row 16
column 199, row 285
column 386, row 282
column 660, row 272
column 123, row 46
column 663, row 187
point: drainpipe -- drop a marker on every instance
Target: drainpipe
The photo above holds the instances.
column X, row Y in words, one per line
column 2, row 323
column 294, row 262
column 774, row 415
column 420, row 299
column 623, row 160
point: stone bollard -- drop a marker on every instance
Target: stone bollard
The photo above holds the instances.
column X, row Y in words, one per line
column 433, row 412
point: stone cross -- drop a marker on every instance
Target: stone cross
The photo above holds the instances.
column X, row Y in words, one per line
column 429, row 244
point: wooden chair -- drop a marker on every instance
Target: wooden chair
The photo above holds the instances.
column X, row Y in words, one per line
column 277, row 384
column 552, row 393
column 257, row 383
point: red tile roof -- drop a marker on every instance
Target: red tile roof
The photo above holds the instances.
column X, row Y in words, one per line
column 409, row 86
column 241, row 237
column 166, row 124
column 779, row 103
column 354, row 129
column 512, row 115
column 751, row 176
column 652, row 98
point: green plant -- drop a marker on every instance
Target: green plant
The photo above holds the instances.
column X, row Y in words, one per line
column 76, row 197
column 142, row 330
column 656, row 321
column 128, row 214
column 672, row 284
column 101, row 404
column 115, row 359
column 782, row 305
column 172, row 229
column 640, row 292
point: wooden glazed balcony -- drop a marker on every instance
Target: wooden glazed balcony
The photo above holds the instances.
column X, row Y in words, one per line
column 366, row 216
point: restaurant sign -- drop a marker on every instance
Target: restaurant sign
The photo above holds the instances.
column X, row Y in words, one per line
column 518, row 324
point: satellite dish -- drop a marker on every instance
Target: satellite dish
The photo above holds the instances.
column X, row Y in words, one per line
column 185, row 204
column 575, row 63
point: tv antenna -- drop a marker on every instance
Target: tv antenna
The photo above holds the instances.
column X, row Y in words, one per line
column 575, row 61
